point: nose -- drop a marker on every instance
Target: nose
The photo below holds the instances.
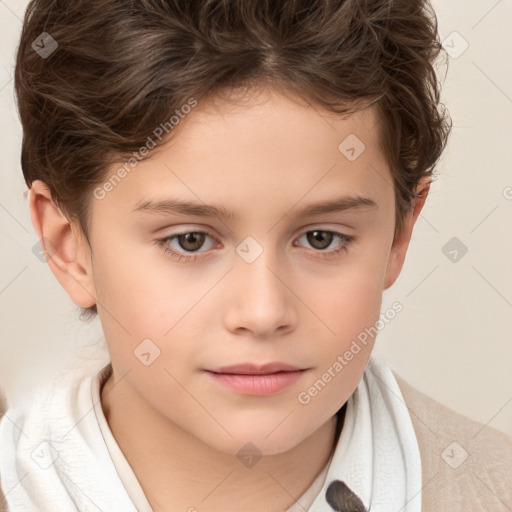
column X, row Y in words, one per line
column 261, row 301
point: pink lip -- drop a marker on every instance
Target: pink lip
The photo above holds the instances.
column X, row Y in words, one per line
column 250, row 379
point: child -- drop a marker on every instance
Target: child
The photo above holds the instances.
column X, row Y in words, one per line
column 241, row 375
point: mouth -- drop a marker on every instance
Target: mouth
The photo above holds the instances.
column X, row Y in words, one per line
column 258, row 380
column 253, row 369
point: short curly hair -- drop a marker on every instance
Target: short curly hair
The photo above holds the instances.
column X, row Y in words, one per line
column 123, row 66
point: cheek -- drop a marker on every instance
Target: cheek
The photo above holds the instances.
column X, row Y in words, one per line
column 154, row 301
column 349, row 309
column 136, row 285
column 348, row 305
column 348, row 300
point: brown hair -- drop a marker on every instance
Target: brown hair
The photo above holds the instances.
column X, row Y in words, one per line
column 122, row 67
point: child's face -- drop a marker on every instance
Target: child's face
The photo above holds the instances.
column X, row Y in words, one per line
column 297, row 302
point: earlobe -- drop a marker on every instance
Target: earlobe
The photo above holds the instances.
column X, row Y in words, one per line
column 402, row 240
column 66, row 251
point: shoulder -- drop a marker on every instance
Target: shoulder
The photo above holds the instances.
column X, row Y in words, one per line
column 466, row 465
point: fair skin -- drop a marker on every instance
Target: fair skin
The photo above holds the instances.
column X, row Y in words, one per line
column 265, row 161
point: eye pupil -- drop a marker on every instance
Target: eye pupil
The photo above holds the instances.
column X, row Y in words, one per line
column 320, row 236
column 195, row 239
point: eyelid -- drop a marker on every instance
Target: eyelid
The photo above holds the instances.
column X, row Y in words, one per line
column 326, row 226
column 344, row 230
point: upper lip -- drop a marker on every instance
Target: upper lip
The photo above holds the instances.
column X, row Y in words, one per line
column 253, row 369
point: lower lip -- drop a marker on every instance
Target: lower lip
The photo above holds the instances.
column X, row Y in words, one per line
column 260, row 385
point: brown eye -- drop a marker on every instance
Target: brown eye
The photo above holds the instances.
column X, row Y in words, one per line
column 184, row 246
column 320, row 239
column 191, row 241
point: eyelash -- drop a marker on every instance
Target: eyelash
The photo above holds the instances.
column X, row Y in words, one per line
column 343, row 248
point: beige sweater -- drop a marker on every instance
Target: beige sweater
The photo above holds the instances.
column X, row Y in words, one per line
column 452, row 482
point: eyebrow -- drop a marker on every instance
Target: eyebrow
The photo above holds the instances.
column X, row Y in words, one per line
column 176, row 206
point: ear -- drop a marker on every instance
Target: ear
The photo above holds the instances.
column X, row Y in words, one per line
column 401, row 243
column 66, row 248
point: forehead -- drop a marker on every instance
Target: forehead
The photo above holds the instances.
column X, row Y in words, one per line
column 268, row 119
column 261, row 150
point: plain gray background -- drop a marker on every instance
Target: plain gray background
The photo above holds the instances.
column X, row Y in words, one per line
column 453, row 340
